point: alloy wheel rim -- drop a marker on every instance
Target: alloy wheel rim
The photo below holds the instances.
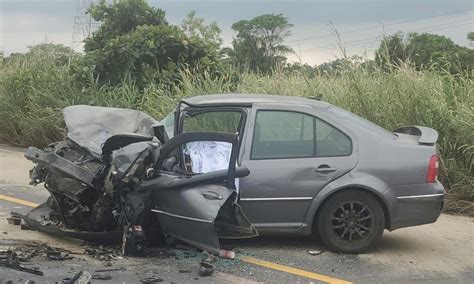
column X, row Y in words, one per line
column 352, row 221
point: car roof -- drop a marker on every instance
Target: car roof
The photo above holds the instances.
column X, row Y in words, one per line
column 240, row 99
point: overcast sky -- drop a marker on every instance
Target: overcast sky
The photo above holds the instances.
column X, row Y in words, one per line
column 28, row 22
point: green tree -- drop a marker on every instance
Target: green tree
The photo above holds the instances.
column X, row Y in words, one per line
column 424, row 50
column 59, row 53
column 120, row 18
column 304, row 69
column 341, row 65
column 428, row 48
column 258, row 44
column 194, row 26
column 135, row 42
column 393, row 50
column 210, row 35
column 470, row 36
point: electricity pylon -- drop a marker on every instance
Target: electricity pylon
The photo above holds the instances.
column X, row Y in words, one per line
column 83, row 23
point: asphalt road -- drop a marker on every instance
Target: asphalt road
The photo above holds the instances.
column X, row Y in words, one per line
column 442, row 252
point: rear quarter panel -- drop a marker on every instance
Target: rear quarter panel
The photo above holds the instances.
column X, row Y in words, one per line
column 385, row 163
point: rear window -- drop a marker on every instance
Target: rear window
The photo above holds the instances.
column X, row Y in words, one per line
column 359, row 120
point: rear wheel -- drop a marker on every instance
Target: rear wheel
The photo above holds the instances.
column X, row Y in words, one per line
column 351, row 222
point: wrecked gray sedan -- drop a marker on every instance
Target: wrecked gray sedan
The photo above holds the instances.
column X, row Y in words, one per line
column 118, row 177
column 293, row 166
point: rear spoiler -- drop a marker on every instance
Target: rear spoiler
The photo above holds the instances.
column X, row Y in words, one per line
column 426, row 135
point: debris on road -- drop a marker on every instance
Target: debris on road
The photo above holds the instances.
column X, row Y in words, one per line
column 206, row 269
column 160, row 252
column 314, row 252
column 9, row 259
column 14, row 220
column 228, row 254
column 25, row 227
column 29, row 251
column 110, row 269
column 79, row 278
column 207, row 257
column 103, row 253
column 56, row 254
column 150, row 280
column 101, row 276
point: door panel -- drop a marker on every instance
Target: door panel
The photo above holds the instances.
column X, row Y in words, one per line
column 199, row 215
column 278, row 191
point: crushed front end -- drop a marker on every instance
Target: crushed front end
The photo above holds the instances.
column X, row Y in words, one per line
column 117, row 170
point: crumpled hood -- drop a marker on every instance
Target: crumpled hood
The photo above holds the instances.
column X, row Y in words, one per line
column 91, row 126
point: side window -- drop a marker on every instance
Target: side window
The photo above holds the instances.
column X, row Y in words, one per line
column 209, row 156
column 215, row 121
column 285, row 134
column 331, row 142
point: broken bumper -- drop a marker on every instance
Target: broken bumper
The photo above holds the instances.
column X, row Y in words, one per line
column 35, row 220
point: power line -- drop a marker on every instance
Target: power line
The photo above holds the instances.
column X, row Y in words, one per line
column 379, row 26
column 436, row 29
column 371, row 39
column 375, row 38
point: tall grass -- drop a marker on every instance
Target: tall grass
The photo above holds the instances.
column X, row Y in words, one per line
column 33, row 92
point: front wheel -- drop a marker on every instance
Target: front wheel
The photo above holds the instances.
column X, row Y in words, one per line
column 350, row 222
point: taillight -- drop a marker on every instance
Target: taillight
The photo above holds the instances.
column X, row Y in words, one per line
column 432, row 175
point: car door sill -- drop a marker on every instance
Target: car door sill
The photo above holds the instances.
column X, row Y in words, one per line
column 290, row 229
column 277, row 226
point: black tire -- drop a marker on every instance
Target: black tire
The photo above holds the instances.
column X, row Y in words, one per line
column 347, row 230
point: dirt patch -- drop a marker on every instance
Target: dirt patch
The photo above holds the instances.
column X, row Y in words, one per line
column 440, row 247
